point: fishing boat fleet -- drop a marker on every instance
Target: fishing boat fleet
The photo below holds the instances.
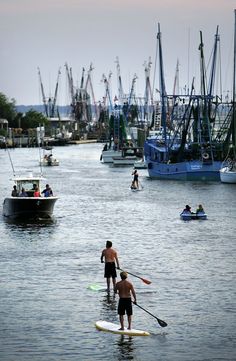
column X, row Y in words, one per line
column 190, row 136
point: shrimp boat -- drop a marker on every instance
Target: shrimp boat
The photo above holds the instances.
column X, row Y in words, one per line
column 191, row 139
column 27, row 206
column 228, row 170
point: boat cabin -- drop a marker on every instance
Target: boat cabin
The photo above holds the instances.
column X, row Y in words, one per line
column 29, row 184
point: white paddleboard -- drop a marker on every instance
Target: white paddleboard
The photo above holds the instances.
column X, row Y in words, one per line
column 114, row 328
column 96, row 287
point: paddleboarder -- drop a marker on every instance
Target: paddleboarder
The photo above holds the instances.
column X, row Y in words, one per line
column 135, row 179
column 111, row 263
column 125, row 290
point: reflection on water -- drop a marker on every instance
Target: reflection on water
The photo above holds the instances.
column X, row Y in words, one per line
column 125, row 348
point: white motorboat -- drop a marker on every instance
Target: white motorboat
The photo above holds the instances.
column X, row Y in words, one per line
column 26, row 204
column 48, row 159
column 107, row 155
column 127, row 160
column 228, row 174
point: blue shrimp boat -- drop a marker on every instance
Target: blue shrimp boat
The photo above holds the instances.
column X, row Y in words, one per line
column 191, row 138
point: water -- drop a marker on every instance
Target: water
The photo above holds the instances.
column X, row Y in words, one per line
column 47, row 311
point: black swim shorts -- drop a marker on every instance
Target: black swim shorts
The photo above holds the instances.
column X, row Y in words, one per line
column 125, row 304
column 110, row 270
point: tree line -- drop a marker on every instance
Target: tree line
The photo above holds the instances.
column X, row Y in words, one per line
column 17, row 120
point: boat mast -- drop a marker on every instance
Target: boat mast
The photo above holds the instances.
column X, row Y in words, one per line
column 119, row 81
column 213, row 67
column 234, row 90
column 55, row 95
column 43, row 94
column 162, row 83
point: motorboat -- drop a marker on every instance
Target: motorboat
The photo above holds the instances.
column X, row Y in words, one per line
column 25, row 204
column 48, row 159
column 129, row 156
column 228, row 173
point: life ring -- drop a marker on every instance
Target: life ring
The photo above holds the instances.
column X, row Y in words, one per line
column 205, row 156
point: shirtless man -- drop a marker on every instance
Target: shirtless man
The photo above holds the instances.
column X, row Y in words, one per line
column 125, row 290
column 111, row 257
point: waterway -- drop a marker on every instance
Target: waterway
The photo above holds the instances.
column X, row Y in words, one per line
column 48, row 313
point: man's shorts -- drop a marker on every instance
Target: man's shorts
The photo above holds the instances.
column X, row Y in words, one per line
column 110, row 270
column 125, row 304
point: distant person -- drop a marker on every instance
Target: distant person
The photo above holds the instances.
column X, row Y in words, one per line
column 23, row 193
column 49, row 159
column 36, row 192
column 135, row 179
column 47, row 192
column 14, row 192
column 125, row 290
column 32, row 190
column 111, row 262
column 200, row 209
column 187, row 209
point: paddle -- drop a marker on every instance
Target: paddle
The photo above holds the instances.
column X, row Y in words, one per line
column 143, row 279
column 161, row 323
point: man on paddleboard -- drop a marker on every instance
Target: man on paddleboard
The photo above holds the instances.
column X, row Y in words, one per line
column 111, row 262
column 125, row 290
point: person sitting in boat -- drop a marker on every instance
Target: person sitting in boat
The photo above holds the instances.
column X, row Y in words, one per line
column 47, row 191
column 187, row 209
column 135, row 180
column 14, row 192
column 36, row 192
column 50, row 159
column 200, row 209
column 23, row 193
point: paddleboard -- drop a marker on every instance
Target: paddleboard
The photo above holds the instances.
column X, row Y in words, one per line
column 114, row 328
column 97, row 287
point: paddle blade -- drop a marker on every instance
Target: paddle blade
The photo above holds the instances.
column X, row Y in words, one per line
column 161, row 323
column 146, row 281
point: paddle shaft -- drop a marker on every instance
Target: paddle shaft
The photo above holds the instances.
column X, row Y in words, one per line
column 143, row 279
column 161, row 323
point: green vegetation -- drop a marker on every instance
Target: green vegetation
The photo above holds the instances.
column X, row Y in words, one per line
column 29, row 120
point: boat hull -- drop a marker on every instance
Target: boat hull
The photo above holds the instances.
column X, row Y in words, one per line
column 193, row 216
column 107, row 155
column 46, row 163
column 185, row 171
column 29, row 207
column 227, row 175
column 124, row 160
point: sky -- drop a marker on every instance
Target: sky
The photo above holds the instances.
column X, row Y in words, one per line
column 49, row 33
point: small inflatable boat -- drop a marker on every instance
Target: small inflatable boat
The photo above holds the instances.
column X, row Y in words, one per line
column 188, row 216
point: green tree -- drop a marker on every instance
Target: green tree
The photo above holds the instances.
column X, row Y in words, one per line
column 32, row 119
column 7, row 109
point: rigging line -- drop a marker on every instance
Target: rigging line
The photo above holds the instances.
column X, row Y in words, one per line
column 40, row 161
column 14, row 174
column 154, row 74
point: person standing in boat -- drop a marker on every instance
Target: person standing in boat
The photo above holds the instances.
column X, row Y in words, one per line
column 37, row 192
column 47, row 191
column 14, row 192
column 125, row 290
column 23, row 193
column 135, row 179
column 111, row 263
